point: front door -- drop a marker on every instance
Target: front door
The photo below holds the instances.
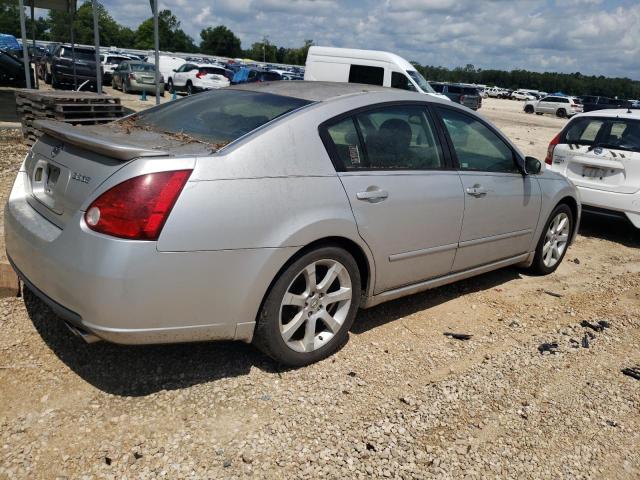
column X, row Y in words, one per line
column 406, row 198
column 501, row 206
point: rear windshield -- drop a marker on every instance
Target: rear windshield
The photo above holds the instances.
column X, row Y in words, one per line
column 606, row 132
column 80, row 54
column 142, row 67
column 218, row 116
column 217, row 71
column 470, row 91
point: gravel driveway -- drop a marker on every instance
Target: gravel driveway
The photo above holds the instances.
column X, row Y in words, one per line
column 401, row 400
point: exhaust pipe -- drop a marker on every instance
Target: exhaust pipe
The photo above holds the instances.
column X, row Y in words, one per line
column 83, row 334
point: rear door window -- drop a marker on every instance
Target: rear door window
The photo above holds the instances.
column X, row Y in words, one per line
column 390, row 138
column 366, row 74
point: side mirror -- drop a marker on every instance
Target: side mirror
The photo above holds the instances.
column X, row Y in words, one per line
column 532, row 165
column 175, row 69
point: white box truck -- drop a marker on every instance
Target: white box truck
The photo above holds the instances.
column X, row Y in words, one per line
column 372, row 67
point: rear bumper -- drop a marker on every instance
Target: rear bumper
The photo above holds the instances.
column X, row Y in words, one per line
column 627, row 204
column 209, row 85
column 149, row 87
column 127, row 291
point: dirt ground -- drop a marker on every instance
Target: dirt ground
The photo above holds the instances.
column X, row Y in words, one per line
column 401, row 400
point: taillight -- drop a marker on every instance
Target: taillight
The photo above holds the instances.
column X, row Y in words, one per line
column 461, row 98
column 137, row 208
column 132, row 76
column 200, row 74
column 552, row 145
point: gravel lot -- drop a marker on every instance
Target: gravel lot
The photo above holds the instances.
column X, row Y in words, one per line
column 401, row 400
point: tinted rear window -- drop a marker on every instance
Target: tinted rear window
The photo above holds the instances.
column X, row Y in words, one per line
column 80, row 54
column 219, row 116
column 217, row 71
column 142, row 67
column 365, row 74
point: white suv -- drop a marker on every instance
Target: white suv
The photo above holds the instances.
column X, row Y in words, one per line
column 192, row 77
column 522, row 95
column 562, row 107
column 600, row 153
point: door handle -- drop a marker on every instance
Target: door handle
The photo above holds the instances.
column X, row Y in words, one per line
column 476, row 191
column 372, row 195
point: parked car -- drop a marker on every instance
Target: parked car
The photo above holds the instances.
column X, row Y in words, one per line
column 562, row 107
column 370, row 67
column 522, row 95
column 192, row 78
column 368, row 172
column 167, row 66
column 109, row 63
column 464, row 95
column 12, row 71
column 600, row 153
column 134, row 76
column 63, row 71
column 262, row 76
column 591, row 103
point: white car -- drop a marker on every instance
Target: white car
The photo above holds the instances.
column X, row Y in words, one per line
column 109, row 63
column 192, row 77
column 562, row 107
column 167, row 65
column 522, row 95
column 600, row 153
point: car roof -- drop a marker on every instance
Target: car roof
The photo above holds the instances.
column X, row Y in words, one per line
column 321, row 91
column 613, row 113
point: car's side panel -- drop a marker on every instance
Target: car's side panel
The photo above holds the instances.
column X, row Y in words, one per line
column 499, row 224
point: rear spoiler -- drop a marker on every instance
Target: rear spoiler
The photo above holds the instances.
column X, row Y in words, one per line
column 94, row 142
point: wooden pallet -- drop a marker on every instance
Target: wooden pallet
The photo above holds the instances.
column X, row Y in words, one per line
column 84, row 108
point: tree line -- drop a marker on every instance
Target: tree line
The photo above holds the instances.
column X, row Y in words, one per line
column 551, row 82
column 221, row 41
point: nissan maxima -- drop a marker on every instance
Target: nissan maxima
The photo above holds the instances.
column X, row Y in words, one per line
column 270, row 213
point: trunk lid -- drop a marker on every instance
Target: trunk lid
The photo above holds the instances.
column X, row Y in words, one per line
column 67, row 164
column 599, row 168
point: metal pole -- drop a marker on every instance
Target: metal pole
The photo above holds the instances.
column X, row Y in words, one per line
column 33, row 31
column 25, row 49
column 156, row 40
column 73, row 50
column 96, row 40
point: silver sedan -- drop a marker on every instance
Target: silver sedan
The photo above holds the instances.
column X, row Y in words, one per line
column 270, row 213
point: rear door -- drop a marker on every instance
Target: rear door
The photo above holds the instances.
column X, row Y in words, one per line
column 600, row 153
column 406, row 198
column 501, row 205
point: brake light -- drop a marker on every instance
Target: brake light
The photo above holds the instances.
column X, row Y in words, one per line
column 132, row 76
column 137, row 208
column 552, row 145
column 200, row 74
column 461, row 98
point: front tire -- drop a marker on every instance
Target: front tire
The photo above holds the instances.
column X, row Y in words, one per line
column 528, row 109
column 189, row 88
column 554, row 241
column 307, row 314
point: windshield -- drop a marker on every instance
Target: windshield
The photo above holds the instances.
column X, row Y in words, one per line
column 218, row 116
column 142, row 67
column 422, row 83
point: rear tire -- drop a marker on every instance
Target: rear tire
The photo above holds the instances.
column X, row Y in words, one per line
column 125, row 89
column 562, row 113
column 554, row 241
column 189, row 88
column 170, row 84
column 309, row 309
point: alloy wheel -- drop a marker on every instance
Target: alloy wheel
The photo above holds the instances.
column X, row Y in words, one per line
column 315, row 305
column 556, row 239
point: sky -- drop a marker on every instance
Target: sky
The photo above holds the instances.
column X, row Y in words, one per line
column 594, row 37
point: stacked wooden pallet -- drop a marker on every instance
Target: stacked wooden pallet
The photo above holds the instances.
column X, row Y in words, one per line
column 83, row 108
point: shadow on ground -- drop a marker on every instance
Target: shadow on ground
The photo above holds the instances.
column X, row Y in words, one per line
column 612, row 229
column 396, row 309
column 142, row 370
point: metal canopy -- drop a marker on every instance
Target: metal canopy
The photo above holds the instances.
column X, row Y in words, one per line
column 66, row 5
